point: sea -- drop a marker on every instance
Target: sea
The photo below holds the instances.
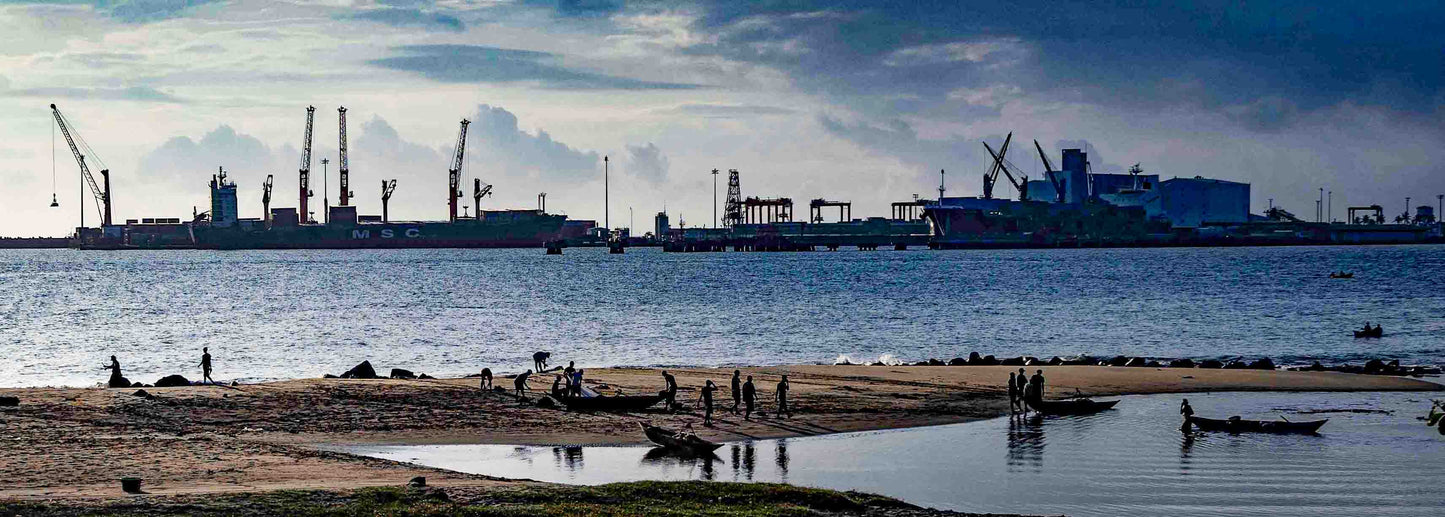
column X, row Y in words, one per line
column 283, row 314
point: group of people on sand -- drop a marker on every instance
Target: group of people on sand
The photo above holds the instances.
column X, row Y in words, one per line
column 1023, row 390
column 117, row 380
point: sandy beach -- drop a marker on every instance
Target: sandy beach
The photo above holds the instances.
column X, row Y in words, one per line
column 77, row 442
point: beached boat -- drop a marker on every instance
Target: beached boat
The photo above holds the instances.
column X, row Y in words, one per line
column 1237, row 425
column 1071, row 407
column 686, row 443
column 614, row 404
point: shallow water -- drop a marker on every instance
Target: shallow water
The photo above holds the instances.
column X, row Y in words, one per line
column 287, row 314
column 1126, row 462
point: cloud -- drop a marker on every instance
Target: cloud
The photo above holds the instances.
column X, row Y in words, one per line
column 647, row 162
column 481, row 64
column 142, row 11
column 134, row 93
column 410, row 17
column 897, row 138
column 728, row 110
column 496, row 140
column 190, row 162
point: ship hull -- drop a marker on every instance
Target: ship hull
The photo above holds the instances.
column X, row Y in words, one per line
column 532, row 233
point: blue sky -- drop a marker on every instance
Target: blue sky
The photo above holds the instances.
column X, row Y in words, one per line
column 845, row 100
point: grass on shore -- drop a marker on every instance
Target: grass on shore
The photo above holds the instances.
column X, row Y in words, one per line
column 677, row 499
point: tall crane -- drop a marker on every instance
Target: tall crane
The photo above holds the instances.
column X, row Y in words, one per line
column 478, row 191
column 454, row 175
column 387, row 187
column 102, row 197
column 1021, row 183
column 266, row 200
column 991, row 177
column 1049, row 172
column 305, row 175
column 345, row 170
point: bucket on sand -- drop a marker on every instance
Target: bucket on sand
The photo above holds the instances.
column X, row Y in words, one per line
column 131, row 485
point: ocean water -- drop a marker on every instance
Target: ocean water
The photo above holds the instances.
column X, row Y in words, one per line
column 287, row 314
column 1130, row 461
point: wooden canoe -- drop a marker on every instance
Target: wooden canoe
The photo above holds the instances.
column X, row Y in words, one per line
column 678, row 442
column 1071, row 407
column 1257, row 426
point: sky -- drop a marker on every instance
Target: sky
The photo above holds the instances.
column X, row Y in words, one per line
column 857, row 101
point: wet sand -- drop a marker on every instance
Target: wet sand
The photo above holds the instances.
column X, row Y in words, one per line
column 77, row 442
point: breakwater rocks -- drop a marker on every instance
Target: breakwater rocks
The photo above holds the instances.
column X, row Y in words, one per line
column 1372, row 367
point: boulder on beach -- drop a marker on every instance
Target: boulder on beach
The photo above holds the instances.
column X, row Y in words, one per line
column 172, row 381
column 1082, row 360
column 974, row 358
column 1211, row 363
column 143, row 394
column 957, row 361
column 935, row 362
column 1236, row 365
column 329, row 376
column 1154, row 364
column 117, row 381
column 1262, row 364
column 1118, row 360
column 1136, row 362
column 1030, row 361
column 1012, row 361
column 425, row 376
column 1056, row 361
column 361, row 371
column 9, row 401
column 1181, row 363
column 398, row 373
column 989, row 360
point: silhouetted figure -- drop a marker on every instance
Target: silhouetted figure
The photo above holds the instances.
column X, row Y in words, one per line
column 116, row 379
column 1014, row 404
column 521, row 382
column 670, row 391
column 486, row 379
column 737, row 390
column 577, row 383
column 1035, row 390
column 782, row 396
column 557, row 390
column 571, row 367
column 539, row 360
column 707, row 390
column 1023, row 384
column 1187, row 412
column 206, row 365
column 750, row 397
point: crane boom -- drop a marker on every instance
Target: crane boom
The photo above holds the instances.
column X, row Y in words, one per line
column 266, row 200
column 1049, row 172
column 1021, row 184
column 454, row 178
column 478, row 192
column 345, row 169
column 991, row 177
column 102, row 197
column 387, row 187
column 305, row 175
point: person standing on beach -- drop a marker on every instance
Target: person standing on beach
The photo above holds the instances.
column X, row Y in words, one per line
column 1037, row 382
column 1023, row 381
column 116, row 379
column 486, row 378
column 521, row 382
column 1013, row 393
column 577, row 383
column 750, row 397
column 782, row 397
column 707, row 391
column 737, row 390
column 206, row 365
column 539, row 360
column 669, row 392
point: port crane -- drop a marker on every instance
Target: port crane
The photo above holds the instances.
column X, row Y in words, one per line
column 454, row 175
column 346, row 192
column 991, row 177
column 305, row 175
column 387, row 187
column 480, row 190
column 102, row 197
column 266, row 200
column 1021, row 183
column 1049, row 172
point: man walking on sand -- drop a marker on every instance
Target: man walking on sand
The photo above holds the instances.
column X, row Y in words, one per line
column 737, row 390
column 1013, row 393
column 206, row 365
column 669, row 392
column 1023, row 381
column 782, row 397
column 707, row 391
column 750, row 397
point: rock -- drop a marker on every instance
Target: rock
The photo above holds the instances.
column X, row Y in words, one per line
column 920, row 363
column 1236, row 365
column 957, row 361
column 417, row 482
column 974, row 358
column 1056, row 361
column 398, row 373
column 329, row 376
column 1154, row 364
column 989, row 360
column 425, row 376
column 143, row 394
column 935, row 362
column 172, row 381
column 1118, row 360
column 1030, row 361
column 1374, row 366
column 1262, row 364
column 361, row 371
column 9, row 401
column 1082, row 360
column 1012, row 361
column 1136, row 362
column 119, row 382
column 499, row 389
column 235, row 383
column 546, row 403
column 1181, row 363
column 1211, row 363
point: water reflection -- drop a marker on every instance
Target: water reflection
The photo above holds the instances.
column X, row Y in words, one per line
column 568, row 458
column 662, row 457
column 735, row 450
column 1026, row 442
column 1186, row 447
column 781, row 459
column 750, row 460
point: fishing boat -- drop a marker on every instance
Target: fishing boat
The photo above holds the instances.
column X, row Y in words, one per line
column 686, row 443
column 1238, row 425
column 1374, row 332
column 610, row 404
column 1081, row 406
column 1342, row 274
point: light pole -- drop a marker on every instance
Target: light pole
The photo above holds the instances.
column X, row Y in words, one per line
column 606, row 178
column 1330, row 208
column 325, row 193
column 714, row 199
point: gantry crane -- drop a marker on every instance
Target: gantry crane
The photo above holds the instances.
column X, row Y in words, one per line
column 1049, row 172
column 480, row 190
column 387, row 187
column 102, row 197
column 454, row 175
column 345, row 169
column 305, row 176
column 991, row 177
column 1021, row 183
column 266, row 201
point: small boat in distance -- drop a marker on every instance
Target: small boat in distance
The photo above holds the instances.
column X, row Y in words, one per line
column 1238, row 425
column 686, row 443
column 1370, row 332
column 1342, row 274
column 1081, row 406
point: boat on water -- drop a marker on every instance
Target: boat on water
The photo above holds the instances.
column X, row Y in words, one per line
column 1081, row 406
column 686, row 443
column 1374, row 332
column 1342, row 274
column 1238, row 425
